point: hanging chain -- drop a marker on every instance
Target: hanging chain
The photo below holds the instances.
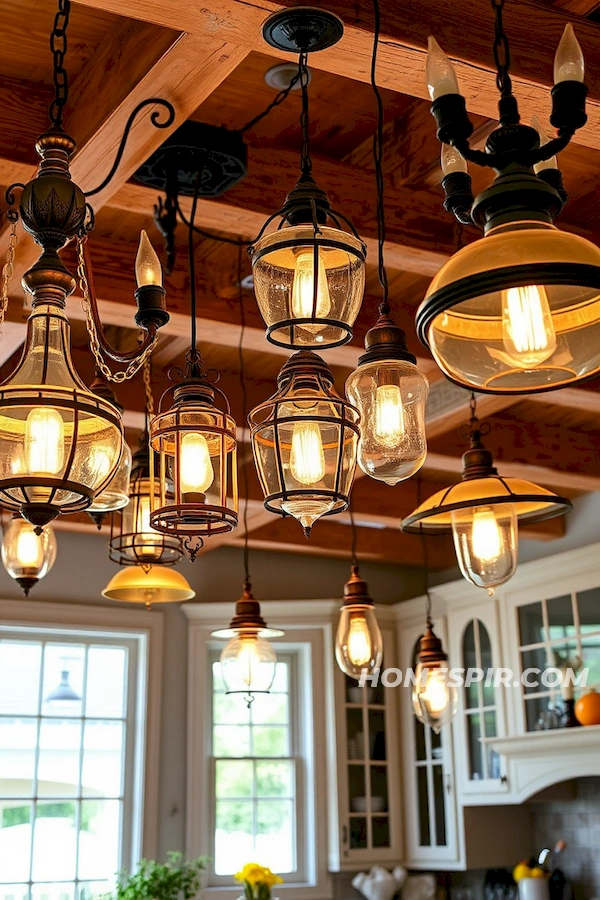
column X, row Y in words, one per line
column 305, row 160
column 279, row 98
column 147, row 374
column 384, row 307
column 473, row 406
column 501, row 51
column 58, row 46
column 7, row 269
column 137, row 363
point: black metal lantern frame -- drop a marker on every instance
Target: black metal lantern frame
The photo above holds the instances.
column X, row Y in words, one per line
column 303, row 30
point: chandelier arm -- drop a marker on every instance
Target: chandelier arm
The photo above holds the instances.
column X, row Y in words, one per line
column 9, row 197
column 155, row 119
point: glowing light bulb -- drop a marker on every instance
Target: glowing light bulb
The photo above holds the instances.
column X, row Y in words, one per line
column 439, row 74
column 29, row 551
column 196, row 472
column 527, row 329
column 452, row 160
column 569, row 64
column 100, row 463
column 248, row 664
column 44, row 441
column 359, row 641
column 434, row 701
column 148, row 269
column 303, row 290
column 307, row 457
column 551, row 163
column 486, row 538
column 389, row 415
column 145, row 542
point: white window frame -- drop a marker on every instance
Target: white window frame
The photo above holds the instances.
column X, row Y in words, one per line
column 142, row 632
column 317, row 712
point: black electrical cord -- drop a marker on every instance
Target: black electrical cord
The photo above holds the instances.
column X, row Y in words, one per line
column 384, row 307
column 354, row 559
column 425, row 549
column 281, row 96
column 244, row 392
column 192, row 263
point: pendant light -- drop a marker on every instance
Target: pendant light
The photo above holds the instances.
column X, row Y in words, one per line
column 148, row 585
column 358, row 642
column 61, row 444
column 64, row 693
column 434, row 700
column 26, row 555
column 309, row 274
column 116, row 494
column 517, row 311
column 248, row 661
column 193, row 473
column 482, row 511
column 133, row 541
column 387, row 388
column 304, row 440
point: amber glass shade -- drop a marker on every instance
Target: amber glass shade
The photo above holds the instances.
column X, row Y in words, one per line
column 517, row 311
column 304, row 440
column 153, row 585
column 193, row 477
column 390, row 395
column 25, row 554
column 486, row 543
column 434, row 701
column 309, row 285
column 116, row 494
column 60, row 443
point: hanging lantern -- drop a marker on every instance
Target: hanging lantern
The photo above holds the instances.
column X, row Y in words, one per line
column 358, row 643
column 148, row 585
column 248, row 660
column 390, row 394
column 482, row 512
column 26, row 555
column 116, row 494
column 133, row 541
column 304, row 440
column 517, row 311
column 434, row 700
column 309, row 274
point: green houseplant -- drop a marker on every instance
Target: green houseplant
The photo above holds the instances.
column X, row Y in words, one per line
column 176, row 879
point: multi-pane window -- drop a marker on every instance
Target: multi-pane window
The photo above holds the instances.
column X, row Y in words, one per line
column 553, row 633
column 480, row 703
column 67, row 760
column 257, row 776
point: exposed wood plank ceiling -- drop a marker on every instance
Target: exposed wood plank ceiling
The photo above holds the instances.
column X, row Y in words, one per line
column 209, row 60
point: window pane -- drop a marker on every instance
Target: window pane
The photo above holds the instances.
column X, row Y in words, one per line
column 99, row 838
column 234, row 778
column 531, row 627
column 62, row 689
column 20, row 668
column 15, row 841
column 234, row 841
column 269, row 741
column 227, row 710
column 590, row 651
column 54, row 841
column 281, row 681
column 231, row 740
column 59, row 891
column 58, row 766
column 423, row 806
column 270, row 709
column 90, row 890
column 560, row 617
column 105, row 682
column 475, row 756
column 588, row 603
column 275, row 779
column 533, row 659
column 102, row 772
column 18, row 739
column 275, row 834
column 14, row 891
column 440, row 807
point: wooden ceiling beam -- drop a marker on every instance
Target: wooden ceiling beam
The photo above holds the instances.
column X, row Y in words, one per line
column 534, row 30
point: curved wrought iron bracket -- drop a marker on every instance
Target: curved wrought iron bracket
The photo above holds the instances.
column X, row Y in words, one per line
column 9, row 197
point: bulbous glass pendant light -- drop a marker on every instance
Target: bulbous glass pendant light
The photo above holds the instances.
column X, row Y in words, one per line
column 434, row 700
column 116, row 494
column 248, row 660
column 390, row 394
column 27, row 556
column 304, row 440
column 358, row 643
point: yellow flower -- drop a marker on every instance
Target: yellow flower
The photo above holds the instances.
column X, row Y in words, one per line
column 255, row 875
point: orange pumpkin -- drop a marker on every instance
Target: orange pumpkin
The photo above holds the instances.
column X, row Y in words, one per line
column 587, row 708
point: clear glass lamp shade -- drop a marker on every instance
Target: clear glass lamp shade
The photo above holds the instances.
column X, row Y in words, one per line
column 434, row 701
column 24, row 553
column 116, row 494
column 133, row 541
column 486, row 544
column 60, row 443
column 248, row 664
column 309, row 285
column 517, row 311
column 358, row 643
column 390, row 396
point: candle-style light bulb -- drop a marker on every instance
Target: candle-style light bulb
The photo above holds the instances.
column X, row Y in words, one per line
column 452, row 160
column 439, row 73
column 551, row 163
column 569, row 64
column 148, row 269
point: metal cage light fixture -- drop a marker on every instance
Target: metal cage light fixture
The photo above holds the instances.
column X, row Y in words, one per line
column 482, row 511
column 193, row 466
column 304, row 440
column 26, row 555
column 309, row 274
column 517, row 311
column 61, row 443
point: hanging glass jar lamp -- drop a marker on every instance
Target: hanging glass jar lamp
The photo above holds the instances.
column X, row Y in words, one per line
column 26, row 555
column 434, row 700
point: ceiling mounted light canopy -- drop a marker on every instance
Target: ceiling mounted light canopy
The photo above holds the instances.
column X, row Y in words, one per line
column 309, row 274
column 482, row 512
column 148, row 585
column 304, row 440
column 517, row 311
column 61, row 443
column 26, row 555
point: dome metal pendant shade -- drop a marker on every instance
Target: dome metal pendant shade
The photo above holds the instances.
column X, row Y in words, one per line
column 155, row 584
column 304, row 440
